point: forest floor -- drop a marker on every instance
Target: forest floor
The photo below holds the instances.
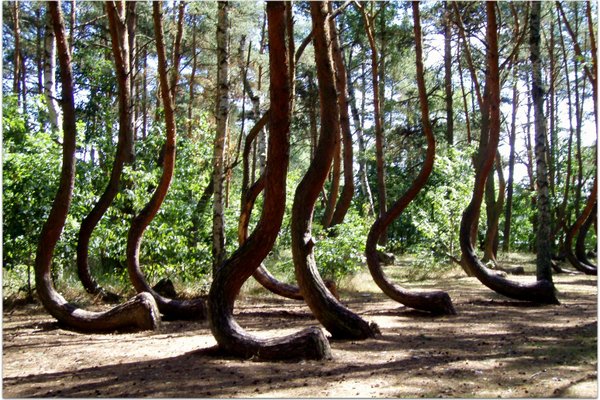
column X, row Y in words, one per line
column 494, row 347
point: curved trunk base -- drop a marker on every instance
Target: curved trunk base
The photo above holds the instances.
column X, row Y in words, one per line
column 309, row 343
column 140, row 313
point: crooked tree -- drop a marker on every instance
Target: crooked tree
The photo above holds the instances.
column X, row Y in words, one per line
column 437, row 302
column 139, row 313
column 231, row 275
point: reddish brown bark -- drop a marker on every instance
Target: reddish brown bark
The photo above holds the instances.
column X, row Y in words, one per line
column 229, row 278
column 139, row 313
column 437, row 302
column 120, row 46
column 337, row 319
column 541, row 291
column 187, row 309
column 343, row 203
column 579, row 264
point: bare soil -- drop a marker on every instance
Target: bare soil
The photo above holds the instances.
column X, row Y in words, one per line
column 494, row 347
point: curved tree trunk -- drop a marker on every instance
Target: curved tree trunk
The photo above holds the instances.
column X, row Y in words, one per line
column 139, row 313
column 579, row 264
column 541, row 291
column 229, row 278
column 494, row 210
column 188, row 309
column 580, row 252
column 345, row 198
column 341, row 322
column 120, row 48
column 437, row 302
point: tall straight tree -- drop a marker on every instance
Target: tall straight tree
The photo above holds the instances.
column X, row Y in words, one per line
column 139, row 313
column 543, row 239
column 222, row 117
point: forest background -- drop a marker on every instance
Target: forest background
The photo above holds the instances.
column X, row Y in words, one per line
column 179, row 243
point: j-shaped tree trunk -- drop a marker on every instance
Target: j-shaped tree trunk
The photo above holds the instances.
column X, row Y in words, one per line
column 173, row 309
column 340, row 321
column 231, row 275
column 579, row 264
column 542, row 291
column 580, row 251
column 117, row 22
column 437, row 302
column 343, row 203
column 139, row 313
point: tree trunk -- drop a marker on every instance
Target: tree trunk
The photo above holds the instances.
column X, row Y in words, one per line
column 494, row 210
column 345, row 198
column 362, row 164
column 222, row 116
column 379, row 139
column 229, row 278
column 583, row 217
column 543, row 243
column 511, row 164
column 139, row 313
column 437, row 302
column 49, row 75
column 541, row 291
column 337, row 319
column 17, row 57
column 120, row 46
column 448, row 74
column 580, row 252
column 187, row 309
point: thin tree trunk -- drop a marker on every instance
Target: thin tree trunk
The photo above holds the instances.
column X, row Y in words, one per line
column 437, row 302
column 448, row 74
column 543, row 244
column 187, row 309
column 17, row 58
column 379, row 139
column 511, row 164
column 345, row 198
column 231, row 338
column 139, row 313
column 541, row 291
column 337, row 319
column 192, row 81
column 49, row 74
column 222, row 117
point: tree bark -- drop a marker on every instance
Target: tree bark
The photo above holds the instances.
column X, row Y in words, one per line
column 222, row 116
column 139, row 313
column 543, row 237
column 49, row 74
column 541, row 291
column 448, row 74
column 511, row 164
column 345, row 198
column 573, row 230
column 229, row 278
column 187, row 309
column 437, row 302
column 379, row 139
column 337, row 319
column 124, row 154
column 580, row 252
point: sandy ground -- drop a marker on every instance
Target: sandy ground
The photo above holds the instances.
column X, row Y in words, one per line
column 494, row 347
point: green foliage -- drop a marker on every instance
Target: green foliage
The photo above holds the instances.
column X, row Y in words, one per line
column 339, row 251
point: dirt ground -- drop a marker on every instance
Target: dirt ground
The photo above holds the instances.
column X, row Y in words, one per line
column 494, row 347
